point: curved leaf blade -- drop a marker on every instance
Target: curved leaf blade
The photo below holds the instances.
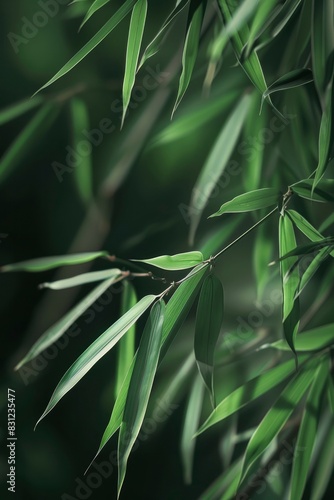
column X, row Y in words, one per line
column 322, row 192
column 96, row 5
column 248, row 202
column 82, row 279
column 290, row 80
column 175, row 262
column 311, row 340
column 19, row 108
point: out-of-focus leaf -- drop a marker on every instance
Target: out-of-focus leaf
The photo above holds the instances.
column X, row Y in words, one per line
column 175, row 262
column 190, row 426
column 226, row 484
column 249, row 392
column 83, row 172
column 313, row 268
column 323, row 192
column 216, row 163
column 19, row 108
column 96, row 5
column 247, row 202
column 324, row 467
column 262, row 254
column 322, row 36
column 329, row 221
column 93, row 42
column 330, row 393
column 96, row 350
column 136, row 30
column 279, row 413
column 260, row 18
column 27, row 139
column 53, row 333
column 294, row 78
column 311, row 340
column 305, row 227
column 82, row 279
column 45, row 263
column 140, row 386
column 220, row 237
column 126, row 346
column 209, row 318
column 307, row 431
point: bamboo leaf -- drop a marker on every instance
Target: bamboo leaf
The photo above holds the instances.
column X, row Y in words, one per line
column 305, row 227
column 175, row 262
column 19, row 108
column 250, row 391
column 216, row 163
column 96, row 5
column 190, row 50
column 308, row 248
column 248, row 202
column 322, row 38
column 46, row 263
column 190, row 426
column 323, row 191
column 93, row 42
column 313, row 268
column 82, row 279
column 259, row 20
column 84, row 171
column 27, row 139
column 324, row 467
column 136, row 30
column 278, row 414
column 307, row 431
column 311, row 340
column 209, row 318
column 53, row 333
column 126, row 346
column 96, row 351
column 140, row 387
column 293, row 79
column 330, row 393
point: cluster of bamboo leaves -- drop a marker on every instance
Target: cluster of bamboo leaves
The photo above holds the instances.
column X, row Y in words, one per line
column 279, row 188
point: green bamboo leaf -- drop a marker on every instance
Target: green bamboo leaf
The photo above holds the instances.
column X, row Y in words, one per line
column 225, row 486
column 313, row 268
column 248, row 202
column 93, row 42
column 96, row 5
column 250, row 391
column 323, row 191
column 322, row 38
column 136, row 30
column 311, row 340
column 216, row 163
column 328, row 222
column 307, row 431
column 53, row 333
column 290, row 80
column 324, row 467
column 258, row 22
column 82, row 279
column 289, row 8
column 308, row 248
column 175, row 262
column 330, row 393
column 305, row 227
column 190, row 426
column 96, row 351
column 209, row 318
column 157, row 41
column 46, row 263
column 140, row 387
column 279, row 414
column 126, row 346
column 83, row 173
column 190, row 50
column 19, row 108
column 262, row 254
column 31, row 135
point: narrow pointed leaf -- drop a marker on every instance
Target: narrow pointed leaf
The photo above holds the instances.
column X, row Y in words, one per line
column 324, row 468
column 209, row 318
column 313, row 268
column 259, row 20
column 136, row 30
column 96, row 5
column 294, row 78
column 305, row 227
column 126, row 346
column 308, row 248
column 322, row 37
column 248, row 202
column 190, row 50
column 46, row 263
column 190, row 426
column 175, row 262
column 28, row 138
column 216, row 163
column 140, row 386
column 323, row 191
column 96, row 351
column 53, row 333
column 19, row 108
column 307, row 431
column 279, row 414
column 311, row 340
column 82, row 279
column 93, row 42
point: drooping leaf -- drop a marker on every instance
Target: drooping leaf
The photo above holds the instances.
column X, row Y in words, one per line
column 258, row 22
column 175, row 262
column 140, row 386
column 93, row 42
column 190, row 50
column 53, row 333
column 96, row 350
column 315, row 339
column 209, row 318
column 279, row 413
column 96, row 5
column 308, row 248
column 307, row 431
column 45, row 263
column 293, row 79
column 83, row 172
column 190, row 426
column 324, row 467
column 313, row 268
column 323, row 191
column 19, row 108
column 248, row 202
column 322, row 36
column 216, row 163
column 305, row 227
column 136, row 31
column 82, row 279
column 126, row 346
column 27, row 139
